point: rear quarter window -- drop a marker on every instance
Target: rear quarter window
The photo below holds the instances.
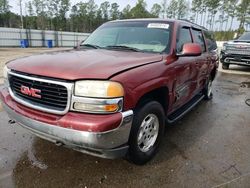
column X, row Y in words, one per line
column 210, row 40
column 198, row 38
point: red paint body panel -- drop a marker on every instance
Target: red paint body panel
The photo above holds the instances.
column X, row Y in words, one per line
column 76, row 121
column 82, row 64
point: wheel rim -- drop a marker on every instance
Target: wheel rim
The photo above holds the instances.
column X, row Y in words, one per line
column 209, row 88
column 148, row 132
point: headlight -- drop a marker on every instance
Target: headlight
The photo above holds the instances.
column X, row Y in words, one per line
column 98, row 89
column 224, row 46
column 97, row 97
column 5, row 72
column 5, row 75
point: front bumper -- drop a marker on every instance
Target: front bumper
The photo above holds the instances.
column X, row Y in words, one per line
column 108, row 144
column 236, row 59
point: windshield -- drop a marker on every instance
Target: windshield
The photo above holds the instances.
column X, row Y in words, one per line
column 142, row 36
column 245, row 36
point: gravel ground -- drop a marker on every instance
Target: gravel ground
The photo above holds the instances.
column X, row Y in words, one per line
column 209, row 147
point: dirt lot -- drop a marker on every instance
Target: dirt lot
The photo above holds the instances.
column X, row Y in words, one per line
column 209, row 147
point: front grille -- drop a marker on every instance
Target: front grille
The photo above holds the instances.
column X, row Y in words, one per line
column 238, row 50
column 53, row 96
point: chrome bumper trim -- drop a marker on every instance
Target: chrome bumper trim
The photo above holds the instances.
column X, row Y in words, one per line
column 102, row 144
column 243, row 61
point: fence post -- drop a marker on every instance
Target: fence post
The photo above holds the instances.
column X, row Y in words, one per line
column 43, row 39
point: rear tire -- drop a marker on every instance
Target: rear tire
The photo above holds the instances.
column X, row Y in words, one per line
column 225, row 66
column 146, row 133
column 208, row 91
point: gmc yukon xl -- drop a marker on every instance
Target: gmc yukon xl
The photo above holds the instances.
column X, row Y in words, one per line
column 114, row 94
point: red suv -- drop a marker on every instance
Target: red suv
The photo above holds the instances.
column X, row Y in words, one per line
column 114, row 94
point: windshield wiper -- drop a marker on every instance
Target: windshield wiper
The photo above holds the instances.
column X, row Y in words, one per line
column 91, row 46
column 121, row 47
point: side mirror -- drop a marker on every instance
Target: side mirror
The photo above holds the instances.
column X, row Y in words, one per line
column 191, row 49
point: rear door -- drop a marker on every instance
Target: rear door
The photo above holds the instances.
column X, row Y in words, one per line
column 212, row 50
column 201, row 63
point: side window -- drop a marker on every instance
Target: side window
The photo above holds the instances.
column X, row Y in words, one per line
column 210, row 41
column 184, row 37
column 198, row 38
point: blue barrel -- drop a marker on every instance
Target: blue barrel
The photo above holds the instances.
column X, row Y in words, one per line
column 24, row 43
column 49, row 43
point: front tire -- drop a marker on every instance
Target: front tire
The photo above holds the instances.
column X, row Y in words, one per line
column 146, row 132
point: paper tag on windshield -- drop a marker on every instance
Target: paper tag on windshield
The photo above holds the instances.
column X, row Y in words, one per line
column 158, row 25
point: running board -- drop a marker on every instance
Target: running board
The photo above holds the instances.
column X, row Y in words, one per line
column 178, row 114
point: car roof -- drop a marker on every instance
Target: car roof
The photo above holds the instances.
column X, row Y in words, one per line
column 182, row 22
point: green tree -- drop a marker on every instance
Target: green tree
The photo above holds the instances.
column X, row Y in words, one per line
column 80, row 15
column 195, row 8
column 4, row 6
column 126, row 12
column 172, row 9
column 231, row 11
column 104, row 7
column 212, row 8
column 182, row 9
column 30, row 17
column 40, row 10
column 91, row 14
column 164, row 8
column 58, row 10
column 156, row 10
column 114, row 11
column 140, row 11
column 243, row 13
column 5, row 14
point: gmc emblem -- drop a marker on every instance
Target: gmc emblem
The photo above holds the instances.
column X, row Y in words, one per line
column 31, row 92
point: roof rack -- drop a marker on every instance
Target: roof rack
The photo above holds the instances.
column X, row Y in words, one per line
column 193, row 23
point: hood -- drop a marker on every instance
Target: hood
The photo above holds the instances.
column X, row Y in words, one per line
column 82, row 64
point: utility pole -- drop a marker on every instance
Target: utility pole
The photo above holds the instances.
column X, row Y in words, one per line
column 21, row 13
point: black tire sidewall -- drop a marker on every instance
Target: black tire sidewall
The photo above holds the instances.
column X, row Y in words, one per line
column 205, row 91
column 135, row 154
column 225, row 66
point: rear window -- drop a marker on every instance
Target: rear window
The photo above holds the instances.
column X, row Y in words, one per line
column 198, row 38
column 210, row 41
